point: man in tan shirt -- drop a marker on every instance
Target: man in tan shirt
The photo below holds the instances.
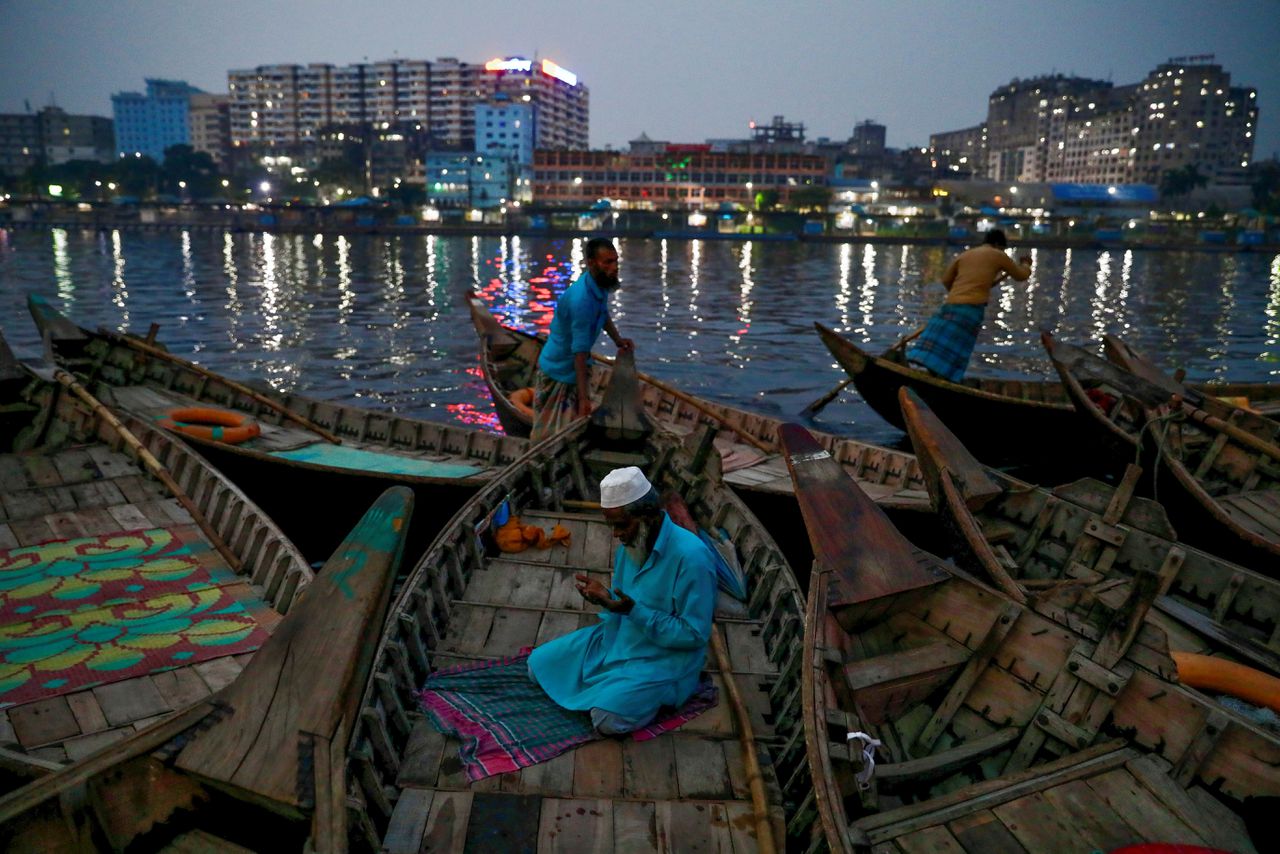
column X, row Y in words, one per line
column 946, row 344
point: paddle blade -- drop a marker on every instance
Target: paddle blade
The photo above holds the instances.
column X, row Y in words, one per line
column 938, row 449
column 621, row 413
column 868, row 560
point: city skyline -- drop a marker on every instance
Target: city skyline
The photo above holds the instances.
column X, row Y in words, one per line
column 677, row 73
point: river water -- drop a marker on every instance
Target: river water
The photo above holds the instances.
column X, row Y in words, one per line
column 380, row 320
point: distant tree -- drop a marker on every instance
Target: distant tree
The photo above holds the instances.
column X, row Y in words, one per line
column 137, row 176
column 1266, row 187
column 334, row 172
column 806, row 199
column 183, row 164
column 1176, row 183
column 766, row 200
column 406, row 194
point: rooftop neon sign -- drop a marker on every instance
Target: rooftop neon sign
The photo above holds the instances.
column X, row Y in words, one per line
column 564, row 75
column 512, row 63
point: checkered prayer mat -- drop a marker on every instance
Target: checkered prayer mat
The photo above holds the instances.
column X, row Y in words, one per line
column 506, row 722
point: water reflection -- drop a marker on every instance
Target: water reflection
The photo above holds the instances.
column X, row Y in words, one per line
column 380, row 320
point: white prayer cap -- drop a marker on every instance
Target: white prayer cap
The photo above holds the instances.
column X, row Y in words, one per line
column 621, row 487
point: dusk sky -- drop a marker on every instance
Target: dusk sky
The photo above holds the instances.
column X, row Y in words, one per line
column 679, row 71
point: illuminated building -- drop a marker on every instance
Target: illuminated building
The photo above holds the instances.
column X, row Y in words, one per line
column 53, row 136
column 148, row 124
column 209, row 122
column 285, row 106
column 1073, row 129
column 662, row 175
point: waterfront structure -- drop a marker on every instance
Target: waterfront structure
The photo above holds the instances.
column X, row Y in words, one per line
column 563, row 102
column 147, row 124
column 1184, row 113
column 209, row 125
column 507, row 128
column 868, row 139
column 660, row 175
column 467, row 179
column 20, row 147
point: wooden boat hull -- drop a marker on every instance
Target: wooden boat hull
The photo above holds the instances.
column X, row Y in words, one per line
column 463, row 602
column 291, row 463
column 1029, row 539
column 749, row 441
column 978, row 701
column 262, row 765
column 71, row 473
column 1003, row 421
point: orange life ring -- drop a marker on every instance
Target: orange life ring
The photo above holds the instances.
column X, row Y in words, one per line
column 1227, row 677
column 215, row 425
column 522, row 400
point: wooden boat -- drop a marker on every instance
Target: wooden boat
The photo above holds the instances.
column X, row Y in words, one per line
column 689, row 789
column 125, row 561
column 1002, row 726
column 1215, row 467
column 262, row 765
column 1003, row 421
column 748, row 441
column 1097, row 537
column 304, row 446
column 1263, row 398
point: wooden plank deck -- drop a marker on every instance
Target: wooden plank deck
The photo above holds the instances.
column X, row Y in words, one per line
column 1100, row 804
column 87, row 492
column 685, row 790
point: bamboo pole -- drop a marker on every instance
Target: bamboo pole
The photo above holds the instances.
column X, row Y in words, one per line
column 696, row 404
column 746, row 735
column 144, row 347
column 152, row 464
column 1244, row 437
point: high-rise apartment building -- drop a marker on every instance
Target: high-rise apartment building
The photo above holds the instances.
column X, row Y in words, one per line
column 281, row 107
column 1074, row 129
column 963, row 152
column 148, row 124
column 51, row 137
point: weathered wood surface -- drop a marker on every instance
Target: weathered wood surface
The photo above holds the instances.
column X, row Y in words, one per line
column 1100, row 532
column 82, row 481
column 938, row 449
column 462, row 603
column 275, row 737
column 851, row 537
column 1029, row 682
column 156, row 381
column 315, row 666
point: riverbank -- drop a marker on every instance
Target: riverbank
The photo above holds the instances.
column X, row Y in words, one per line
column 628, row 224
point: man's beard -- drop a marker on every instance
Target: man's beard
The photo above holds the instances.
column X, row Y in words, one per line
column 605, row 281
column 638, row 551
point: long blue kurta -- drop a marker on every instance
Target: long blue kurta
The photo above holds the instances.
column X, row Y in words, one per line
column 635, row 663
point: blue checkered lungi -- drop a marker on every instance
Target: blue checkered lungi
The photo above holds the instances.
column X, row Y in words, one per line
column 947, row 342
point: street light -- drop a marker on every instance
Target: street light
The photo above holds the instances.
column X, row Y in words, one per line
column 751, row 199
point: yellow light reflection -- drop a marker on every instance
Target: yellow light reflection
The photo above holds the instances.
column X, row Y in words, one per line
column 867, row 296
column 120, row 292
column 62, row 268
column 844, row 292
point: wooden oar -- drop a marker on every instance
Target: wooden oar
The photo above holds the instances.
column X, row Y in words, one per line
column 746, row 736
column 819, row 404
column 696, row 404
column 152, row 464
column 261, row 399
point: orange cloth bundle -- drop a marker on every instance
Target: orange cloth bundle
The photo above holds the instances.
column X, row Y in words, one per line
column 515, row 537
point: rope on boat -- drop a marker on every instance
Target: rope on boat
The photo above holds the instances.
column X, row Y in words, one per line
column 1171, row 415
column 869, row 746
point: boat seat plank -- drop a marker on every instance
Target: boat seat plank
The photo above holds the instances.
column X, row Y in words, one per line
column 649, row 768
column 930, row 840
column 1043, row 822
column 1219, row 826
column 502, row 822
column 201, row 842
column 701, row 769
column 1257, row 511
column 7, row 538
column 43, row 722
column 408, row 822
column 425, row 750
column 597, row 769
column 575, row 825
column 691, row 826
column 983, row 833
column 1127, row 797
column 447, row 821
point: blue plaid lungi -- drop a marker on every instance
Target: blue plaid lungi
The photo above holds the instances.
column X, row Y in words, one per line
column 947, row 342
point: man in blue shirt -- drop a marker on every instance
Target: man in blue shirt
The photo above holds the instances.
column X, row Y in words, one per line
column 561, row 383
column 648, row 649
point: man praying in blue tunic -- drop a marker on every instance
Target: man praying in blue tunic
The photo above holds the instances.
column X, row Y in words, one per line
column 648, row 649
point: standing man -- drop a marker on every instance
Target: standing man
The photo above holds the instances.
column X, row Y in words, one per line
column 947, row 342
column 560, row 384
column 648, row 649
